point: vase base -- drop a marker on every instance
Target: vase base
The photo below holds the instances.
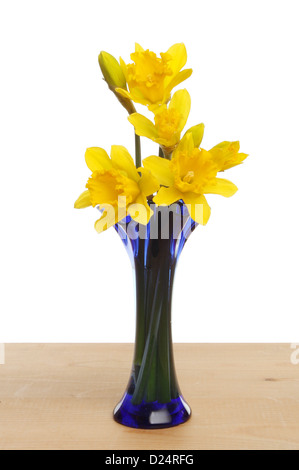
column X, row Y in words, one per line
column 152, row 415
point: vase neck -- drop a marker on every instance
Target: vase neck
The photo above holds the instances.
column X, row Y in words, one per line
column 167, row 232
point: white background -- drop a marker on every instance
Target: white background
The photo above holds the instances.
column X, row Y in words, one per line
column 237, row 279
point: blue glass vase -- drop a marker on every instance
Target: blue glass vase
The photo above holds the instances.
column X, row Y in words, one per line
column 153, row 398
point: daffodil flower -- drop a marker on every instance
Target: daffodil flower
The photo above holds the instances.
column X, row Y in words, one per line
column 150, row 79
column 226, row 155
column 117, row 187
column 190, row 174
column 169, row 122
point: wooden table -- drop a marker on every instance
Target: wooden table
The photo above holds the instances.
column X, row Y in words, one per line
column 59, row 396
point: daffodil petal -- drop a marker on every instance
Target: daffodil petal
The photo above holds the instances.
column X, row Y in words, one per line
column 97, row 159
column 135, row 95
column 181, row 102
column 198, row 207
column 124, row 93
column 179, row 78
column 138, row 97
column 123, row 67
column 231, row 147
column 148, row 184
column 140, row 210
column 167, row 196
column 197, row 134
column 143, row 126
column 186, row 145
column 138, row 48
column 83, row 200
column 122, row 160
column 222, row 187
column 178, row 55
column 236, row 160
column 160, row 168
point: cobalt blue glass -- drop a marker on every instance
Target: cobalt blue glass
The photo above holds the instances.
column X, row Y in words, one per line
column 153, row 398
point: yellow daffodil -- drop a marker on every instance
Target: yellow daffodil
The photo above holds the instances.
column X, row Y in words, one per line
column 117, row 187
column 150, row 78
column 169, row 122
column 190, row 174
column 226, row 155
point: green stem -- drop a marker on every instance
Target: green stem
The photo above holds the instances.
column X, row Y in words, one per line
column 174, row 386
column 164, row 395
column 140, row 320
column 141, row 302
column 149, row 349
column 137, row 151
column 165, row 153
column 152, row 385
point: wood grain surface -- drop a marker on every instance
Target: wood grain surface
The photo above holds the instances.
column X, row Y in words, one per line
column 61, row 396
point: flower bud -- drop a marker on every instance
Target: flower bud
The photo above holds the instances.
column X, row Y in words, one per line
column 111, row 71
column 115, row 78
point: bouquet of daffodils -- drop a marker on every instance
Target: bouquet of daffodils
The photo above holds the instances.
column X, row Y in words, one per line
column 129, row 193
column 181, row 171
